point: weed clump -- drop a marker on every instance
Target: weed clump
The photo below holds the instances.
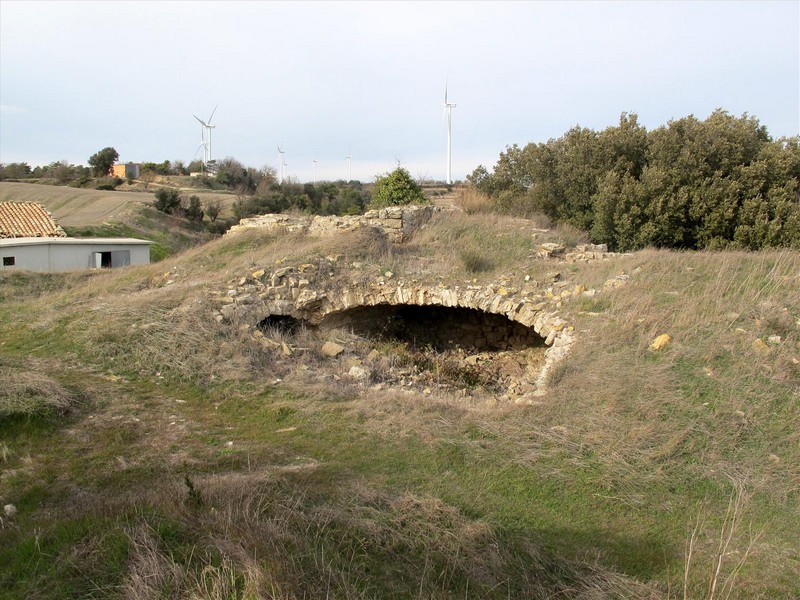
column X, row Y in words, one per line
column 30, row 394
column 475, row 262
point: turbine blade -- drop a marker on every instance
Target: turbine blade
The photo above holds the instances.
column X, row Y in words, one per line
column 199, row 119
column 212, row 113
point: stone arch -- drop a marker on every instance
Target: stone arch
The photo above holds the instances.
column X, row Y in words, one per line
column 526, row 321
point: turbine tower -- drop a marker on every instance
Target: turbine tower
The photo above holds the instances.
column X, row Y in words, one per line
column 282, row 165
column 349, row 166
column 206, row 136
column 315, row 171
column 449, row 108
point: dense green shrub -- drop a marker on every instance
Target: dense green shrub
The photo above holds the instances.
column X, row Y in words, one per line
column 168, row 200
column 327, row 198
column 396, row 188
column 722, row 182
column 194, row 210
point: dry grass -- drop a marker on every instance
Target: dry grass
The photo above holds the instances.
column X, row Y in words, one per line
column 648, row 434
column 710, row 403
column 28, row 393
column 272, row 536
column 472, row 201
column 477, row 246
column 721, row 574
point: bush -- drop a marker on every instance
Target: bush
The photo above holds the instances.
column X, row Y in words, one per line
column 168, row 200
column 194, row 212
column 212, row 209
column 219, row 226
column 396, row 188
column 690, row 184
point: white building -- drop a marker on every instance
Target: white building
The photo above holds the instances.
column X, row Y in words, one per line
column 31, row 239
column 47, row 254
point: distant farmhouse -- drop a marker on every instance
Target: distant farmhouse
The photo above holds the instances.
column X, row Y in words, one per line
column 126, row 171
column 31, row 239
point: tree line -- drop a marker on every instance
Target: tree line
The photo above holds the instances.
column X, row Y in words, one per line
column 267, row 196
column 718, row 183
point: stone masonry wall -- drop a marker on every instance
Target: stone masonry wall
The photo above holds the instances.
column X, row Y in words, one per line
column 398, row 222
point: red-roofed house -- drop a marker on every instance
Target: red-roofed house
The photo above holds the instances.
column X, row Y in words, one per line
column 31, row 239
column 27, row 219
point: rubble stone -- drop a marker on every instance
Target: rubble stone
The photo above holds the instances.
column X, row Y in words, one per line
column 331, row 349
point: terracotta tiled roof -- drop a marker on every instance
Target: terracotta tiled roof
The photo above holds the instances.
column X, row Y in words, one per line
column 27, row 219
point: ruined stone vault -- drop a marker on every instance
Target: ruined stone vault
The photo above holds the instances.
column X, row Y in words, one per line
column 481, row 318
column 489, row 319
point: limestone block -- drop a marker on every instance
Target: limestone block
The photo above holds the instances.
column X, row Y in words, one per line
column 331, row 349
column 661, row 342
column 358, row 372
column 308, row 299
column 394, row 212
column 616, row 282
column 761, row 348
column 550, row 249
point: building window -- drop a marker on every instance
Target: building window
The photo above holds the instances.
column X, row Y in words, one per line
column 9, row 261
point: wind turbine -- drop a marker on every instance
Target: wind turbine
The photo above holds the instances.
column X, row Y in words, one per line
column 315, row 171
column 280, row 170
column 349, row 166
column 448, row 107
column 206, row 136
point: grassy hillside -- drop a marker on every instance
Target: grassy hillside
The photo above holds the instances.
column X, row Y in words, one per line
column 95, row 213
column 78, row 207
column 152, row 451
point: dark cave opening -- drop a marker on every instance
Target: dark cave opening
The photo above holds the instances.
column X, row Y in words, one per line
column 438, row 327
column 283, row 324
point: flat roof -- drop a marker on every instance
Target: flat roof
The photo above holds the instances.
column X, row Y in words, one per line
column 67, row 241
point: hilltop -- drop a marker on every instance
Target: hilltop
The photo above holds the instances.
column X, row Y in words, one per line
column 156, row 443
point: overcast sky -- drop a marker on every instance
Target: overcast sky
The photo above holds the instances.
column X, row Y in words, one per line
column 322, row 79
